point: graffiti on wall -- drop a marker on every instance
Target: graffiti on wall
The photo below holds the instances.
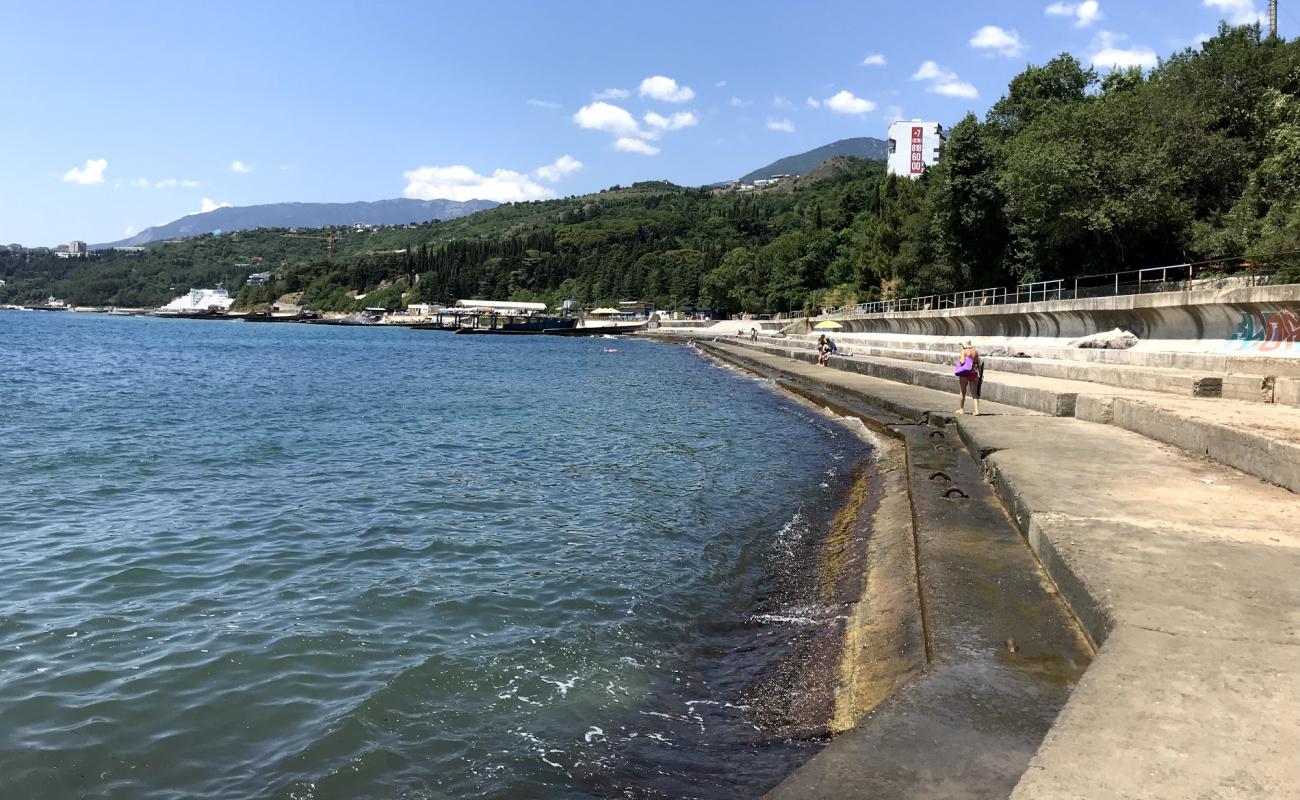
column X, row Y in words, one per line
column 1266, row 331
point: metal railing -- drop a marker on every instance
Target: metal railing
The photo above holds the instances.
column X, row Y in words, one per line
column 1255, row 271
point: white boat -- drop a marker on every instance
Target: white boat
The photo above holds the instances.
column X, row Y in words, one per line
column 200, row 301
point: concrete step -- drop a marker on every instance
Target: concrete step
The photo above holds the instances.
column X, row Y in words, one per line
column 1044, row 395
column 1192, row 383
column 1181, row 570
column 1282, row 362
column 1257, row 438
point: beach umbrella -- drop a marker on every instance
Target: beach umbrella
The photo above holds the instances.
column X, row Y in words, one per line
column 827, row 325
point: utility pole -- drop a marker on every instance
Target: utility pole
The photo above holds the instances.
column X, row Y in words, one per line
column 1272, row 19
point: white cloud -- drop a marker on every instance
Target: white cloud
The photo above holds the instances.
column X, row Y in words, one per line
column 547, row 104
column 783, row 125
column 92, row 173
column 682, row 119
column 562, row 167
column 845, row 102
column 721, row 84
column 665, row 90
column 209, row 204
column 736, row 102
column 630, row 145
column 998, row 40
column 813, row 102
column 893, row 113
column 141, row 183
column 944, row 81
column 1107, row 53
column 874, row 60
column 608, row 118
column 781, row 102
column 240, row 167
column 611, row 94
column 288, row 167
column 1236, row 12
column 459, row 182
column 171, row 183
column 1084, row 14
column 130, row 231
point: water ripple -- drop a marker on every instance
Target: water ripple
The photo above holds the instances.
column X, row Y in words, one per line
column 282, row 561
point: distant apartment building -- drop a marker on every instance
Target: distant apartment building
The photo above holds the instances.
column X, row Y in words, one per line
column 258, row 279
column 77, row 248
column 914, row 145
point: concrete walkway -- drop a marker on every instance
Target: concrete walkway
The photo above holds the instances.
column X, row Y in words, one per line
column 1181, row 570
column 1262, row 439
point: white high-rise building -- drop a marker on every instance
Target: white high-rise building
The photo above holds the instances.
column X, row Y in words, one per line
column 913, row 146
column 76, row 248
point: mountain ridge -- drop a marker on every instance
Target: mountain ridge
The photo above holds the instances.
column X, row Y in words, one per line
column 860, row 147
column 396, row 211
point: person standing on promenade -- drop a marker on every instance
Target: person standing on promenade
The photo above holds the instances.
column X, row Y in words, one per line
column 970, row 375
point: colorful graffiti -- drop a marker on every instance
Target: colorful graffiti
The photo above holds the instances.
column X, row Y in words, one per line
column 1266, row 331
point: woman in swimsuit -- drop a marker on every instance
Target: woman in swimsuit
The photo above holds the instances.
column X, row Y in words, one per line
column 974, row 379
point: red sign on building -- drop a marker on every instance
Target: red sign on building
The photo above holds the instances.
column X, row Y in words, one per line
column 918, row 151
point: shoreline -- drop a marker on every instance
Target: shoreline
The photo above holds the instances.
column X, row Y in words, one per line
column 973, row 713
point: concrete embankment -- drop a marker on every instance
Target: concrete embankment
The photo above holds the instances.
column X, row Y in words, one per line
column 1000, row 650
column 1195, row 320
column 1181, row 571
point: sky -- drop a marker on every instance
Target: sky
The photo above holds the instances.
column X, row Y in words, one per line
column 118, row 116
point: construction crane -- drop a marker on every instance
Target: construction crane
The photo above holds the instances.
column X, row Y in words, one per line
column 330, row 239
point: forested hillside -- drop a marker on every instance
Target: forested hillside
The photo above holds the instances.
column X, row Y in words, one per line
column 1069, row 173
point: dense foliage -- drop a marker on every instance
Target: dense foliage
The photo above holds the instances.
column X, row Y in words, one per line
column 1069, row 173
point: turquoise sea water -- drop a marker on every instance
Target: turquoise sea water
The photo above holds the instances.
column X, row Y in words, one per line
column 289, row 561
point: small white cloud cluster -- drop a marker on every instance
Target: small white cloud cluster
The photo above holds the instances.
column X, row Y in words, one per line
column 944, row 81
column 1084, row 14
column 874, row 60
column 782, row 125
column 208, row 204
column 88, row 175
column 560, row 168
column 1236, row 12
column 1108, row 54
column 630, row 135
column 846, row 102
column 549, row 105
column 997, row 40
column 240, row 168
column 459, row 182
column 666, row 90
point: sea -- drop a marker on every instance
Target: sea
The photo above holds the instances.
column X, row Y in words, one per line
column 295, row 561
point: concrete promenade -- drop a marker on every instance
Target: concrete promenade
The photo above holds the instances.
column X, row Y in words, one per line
column 1181, row 570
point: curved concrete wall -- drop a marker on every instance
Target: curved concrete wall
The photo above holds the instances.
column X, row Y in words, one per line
column 1209, row 315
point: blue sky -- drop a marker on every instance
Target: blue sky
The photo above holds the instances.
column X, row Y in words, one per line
column 118, row 116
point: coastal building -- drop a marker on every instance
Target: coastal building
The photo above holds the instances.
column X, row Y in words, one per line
column 502, row 306
column 136, row 249
column 633, row 309
column 77, row 247
column 15, row 248
column 913, row 146
column 258, row 279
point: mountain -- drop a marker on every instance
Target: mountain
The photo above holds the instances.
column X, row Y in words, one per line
column 305, row 215
column 861, row 147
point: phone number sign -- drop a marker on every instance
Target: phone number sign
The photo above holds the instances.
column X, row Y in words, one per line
column 918, row 150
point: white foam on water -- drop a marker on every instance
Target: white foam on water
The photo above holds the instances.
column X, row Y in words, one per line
column 593, row 733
